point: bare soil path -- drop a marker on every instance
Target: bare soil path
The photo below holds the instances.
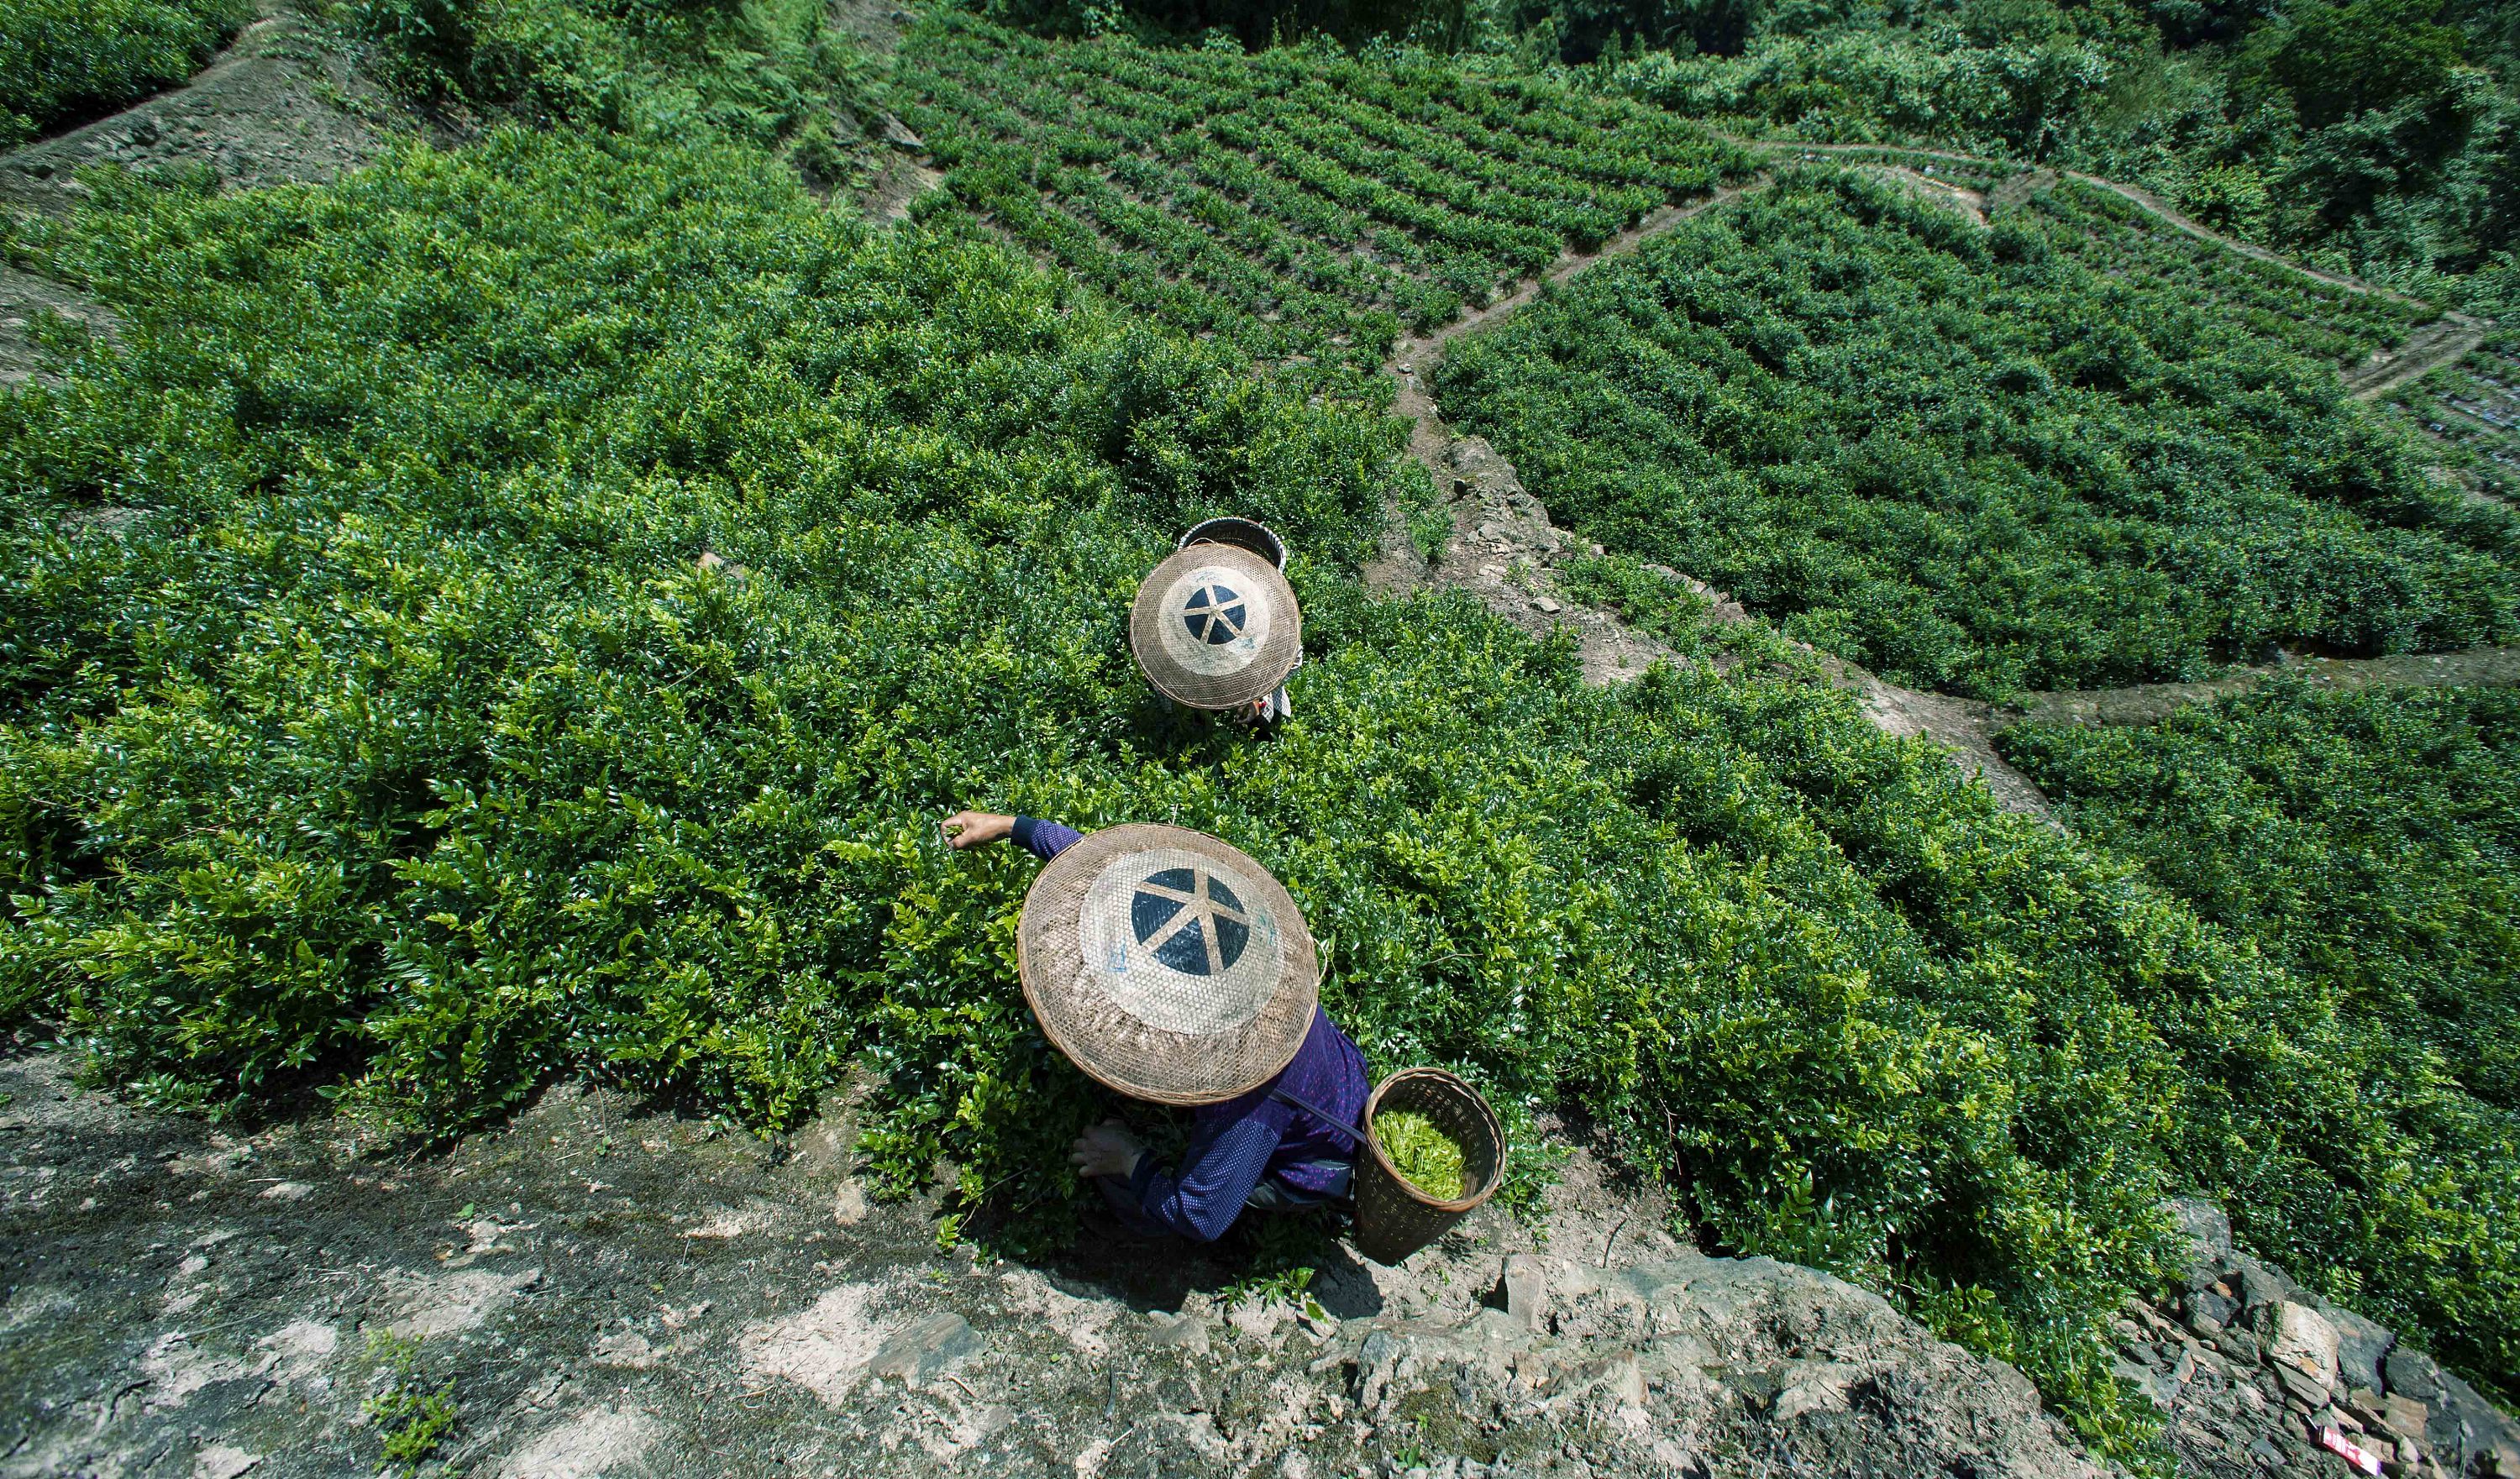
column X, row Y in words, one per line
column 274, row 108
column 2446, row 340
column 2152, row 703
column 1503, row 542
column 905, row 171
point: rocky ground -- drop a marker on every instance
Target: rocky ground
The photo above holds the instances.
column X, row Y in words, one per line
column 602, row 1288
column 277, row 106
column 2261, row 1376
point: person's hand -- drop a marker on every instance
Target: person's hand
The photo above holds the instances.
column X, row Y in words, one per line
column 1106, row 1150
column 970, row 828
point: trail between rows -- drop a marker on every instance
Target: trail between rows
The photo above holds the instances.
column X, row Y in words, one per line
column 2446, row 340
column 1503, row 542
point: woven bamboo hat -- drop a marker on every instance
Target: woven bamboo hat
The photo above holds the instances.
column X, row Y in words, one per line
column 1167, row 965
column 1216, row 626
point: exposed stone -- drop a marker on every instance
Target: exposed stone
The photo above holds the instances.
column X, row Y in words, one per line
column 1188, row 1332
column 2361, row 1345
column 223, row 1461
column 2261, row 1286
column 1523, row 1291
column 2155, row 1385
column 2209, row 1310
column 2301, row 1387
column 922, row 1352
column 2206, row 1236
column 2414, row 1374
column 2404, row 1415
column 2303, row 1340
column 897, row 134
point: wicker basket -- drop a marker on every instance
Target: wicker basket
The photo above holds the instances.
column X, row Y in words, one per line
column 1394, row 1219
column 1245, row 533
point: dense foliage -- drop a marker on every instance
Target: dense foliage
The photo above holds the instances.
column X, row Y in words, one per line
column 1296, row 202
column 2058, row 453
column 63, row 61
column 2378, row 134
column 2368, row 840
column 777, row 73
column 397, row 749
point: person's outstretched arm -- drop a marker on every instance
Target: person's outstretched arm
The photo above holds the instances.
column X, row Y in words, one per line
column 1043, row 840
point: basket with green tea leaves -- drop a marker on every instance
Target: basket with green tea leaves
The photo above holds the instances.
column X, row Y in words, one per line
column 1435, row 1152
column 1425, row 1156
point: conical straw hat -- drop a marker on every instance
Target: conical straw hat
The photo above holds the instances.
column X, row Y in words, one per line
column 1167, row 965
column 1215, row 627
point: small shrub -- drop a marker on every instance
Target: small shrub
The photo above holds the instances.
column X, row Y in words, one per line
column 412, row 1418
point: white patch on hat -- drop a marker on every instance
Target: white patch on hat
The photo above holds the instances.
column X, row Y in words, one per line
column 1215, row 621
column 1179, row 942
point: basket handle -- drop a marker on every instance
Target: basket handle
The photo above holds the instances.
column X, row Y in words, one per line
column 1355, row 1138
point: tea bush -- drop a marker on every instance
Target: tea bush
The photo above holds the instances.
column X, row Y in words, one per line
column 63, row 61
column 1299, row 202
column 396, row 749
column 767, row 72
column 2368, row 840
column 1971, row 459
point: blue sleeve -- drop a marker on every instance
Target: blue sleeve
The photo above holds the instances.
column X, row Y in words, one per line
column 1045, row 839
column 1226, row 1159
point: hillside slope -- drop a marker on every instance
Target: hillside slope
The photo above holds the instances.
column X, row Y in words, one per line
column 372, row 728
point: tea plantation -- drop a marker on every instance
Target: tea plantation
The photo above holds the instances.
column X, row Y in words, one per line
column 371, row 733
column 63, row 61
column 2367, row 839
column 1295, row 203
column 1984, row 460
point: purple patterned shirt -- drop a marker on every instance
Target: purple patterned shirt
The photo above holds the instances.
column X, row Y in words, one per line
column 1242, row 1140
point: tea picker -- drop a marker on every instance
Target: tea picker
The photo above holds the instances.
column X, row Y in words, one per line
column 1173, row 968
column 1216, row 628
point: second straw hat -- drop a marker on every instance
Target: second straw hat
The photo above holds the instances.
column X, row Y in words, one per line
column 1167, row 965
column 1215, row 627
